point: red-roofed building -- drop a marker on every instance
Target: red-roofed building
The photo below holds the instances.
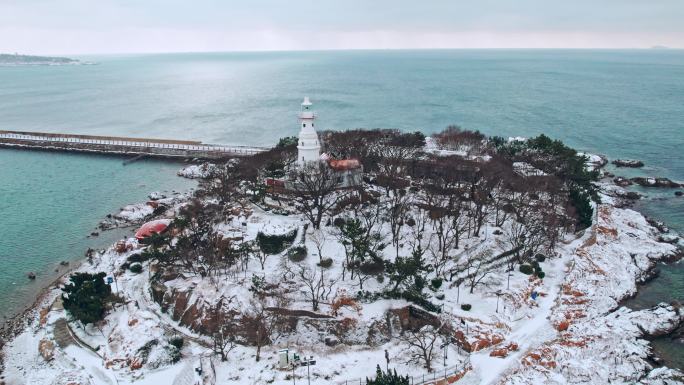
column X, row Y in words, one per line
column 348, row 172
column 152, row 227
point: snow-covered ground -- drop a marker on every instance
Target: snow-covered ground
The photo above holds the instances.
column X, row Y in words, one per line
column 573, row 331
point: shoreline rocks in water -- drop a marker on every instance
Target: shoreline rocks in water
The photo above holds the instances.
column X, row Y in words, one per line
column 655, row 182
column 628, row 163
column 662, row 227
column 622, row 181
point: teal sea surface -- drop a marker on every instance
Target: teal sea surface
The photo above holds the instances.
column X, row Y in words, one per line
column 621, row 103
column 51, row 202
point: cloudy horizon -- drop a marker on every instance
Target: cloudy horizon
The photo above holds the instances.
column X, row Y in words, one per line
column 127, row 26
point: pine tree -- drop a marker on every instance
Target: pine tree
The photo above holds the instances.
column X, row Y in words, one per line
column 389, row 378
column 86, row 296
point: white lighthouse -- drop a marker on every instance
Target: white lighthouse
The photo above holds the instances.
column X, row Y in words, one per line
column 309, row 149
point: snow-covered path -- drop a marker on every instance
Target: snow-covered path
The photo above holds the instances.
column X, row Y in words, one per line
column 528, row 333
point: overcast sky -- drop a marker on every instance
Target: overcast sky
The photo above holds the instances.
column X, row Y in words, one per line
column 128, row 26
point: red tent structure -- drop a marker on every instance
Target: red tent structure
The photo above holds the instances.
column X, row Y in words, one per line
column 152, row 227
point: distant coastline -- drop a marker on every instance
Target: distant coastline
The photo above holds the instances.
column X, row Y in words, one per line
column 28, row 60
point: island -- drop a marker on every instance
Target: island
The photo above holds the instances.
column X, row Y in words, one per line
column 364, row 256
column 28, row 60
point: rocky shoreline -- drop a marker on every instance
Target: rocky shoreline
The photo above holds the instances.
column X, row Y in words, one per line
column 128, row 217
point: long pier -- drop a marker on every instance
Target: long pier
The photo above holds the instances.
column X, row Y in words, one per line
column 123, row 145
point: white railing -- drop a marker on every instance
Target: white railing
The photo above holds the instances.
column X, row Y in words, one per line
column 125, row 142
column 435, row 377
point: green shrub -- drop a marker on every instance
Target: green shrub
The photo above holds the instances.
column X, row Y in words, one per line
column 439, row 296
column 410, row 295
column 338, row 222
column 436, row 283
column 125, row 266
column 541, row 274
column 288, row 141
column 144, row 351
column 174, row 353
column 372, row 267
column 258, row 284
column 540, row 257
column 135, row 258
column 177, row 342
column 274, row 244
column 297, row 253
column 526, row 269
column 325, row 263
column 466, row 306
column 136, row 268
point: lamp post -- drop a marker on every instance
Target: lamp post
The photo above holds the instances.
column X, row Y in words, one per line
column 458, row 293
column 498, row 294
column 387, row 359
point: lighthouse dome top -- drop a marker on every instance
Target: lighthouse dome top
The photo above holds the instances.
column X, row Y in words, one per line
column 306, row 101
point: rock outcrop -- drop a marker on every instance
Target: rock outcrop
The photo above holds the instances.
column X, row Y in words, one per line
column 655, row 182
column 628, row 163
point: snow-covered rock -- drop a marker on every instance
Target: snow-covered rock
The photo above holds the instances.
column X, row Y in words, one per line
column 135, row 213
column 197, row 171
column 156, row 195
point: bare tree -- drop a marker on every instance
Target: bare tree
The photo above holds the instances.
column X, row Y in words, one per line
column 224, row 339
column 260, row 255
column 476, row 267
column 449, row 223
column 316, row 286
column 398, row 209
column 318, row 238
column 224, row 182
column 263, row 321
column 314, row 185
column 456, row 138
column 422, row 344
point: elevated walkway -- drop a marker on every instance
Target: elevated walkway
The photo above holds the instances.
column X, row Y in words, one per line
column 123, row 145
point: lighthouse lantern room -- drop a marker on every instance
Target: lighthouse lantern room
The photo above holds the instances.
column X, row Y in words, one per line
column 309, row 149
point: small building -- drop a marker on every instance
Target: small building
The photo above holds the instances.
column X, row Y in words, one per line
column 349, row 172
column 153, row 227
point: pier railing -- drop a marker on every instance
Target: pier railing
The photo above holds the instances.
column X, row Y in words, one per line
column 113, row 144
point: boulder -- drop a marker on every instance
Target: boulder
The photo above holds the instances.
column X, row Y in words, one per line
column 156, row 195
column 413, row 318
column 655, row 182
column 501, row 353
column 46, row 349
column 622, row 181
column 628, row 163
column 668, row 238
column 658, row 225
column 331, row 341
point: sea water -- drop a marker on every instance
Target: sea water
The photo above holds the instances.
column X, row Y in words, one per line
column 621, row 103
column 50, row 203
